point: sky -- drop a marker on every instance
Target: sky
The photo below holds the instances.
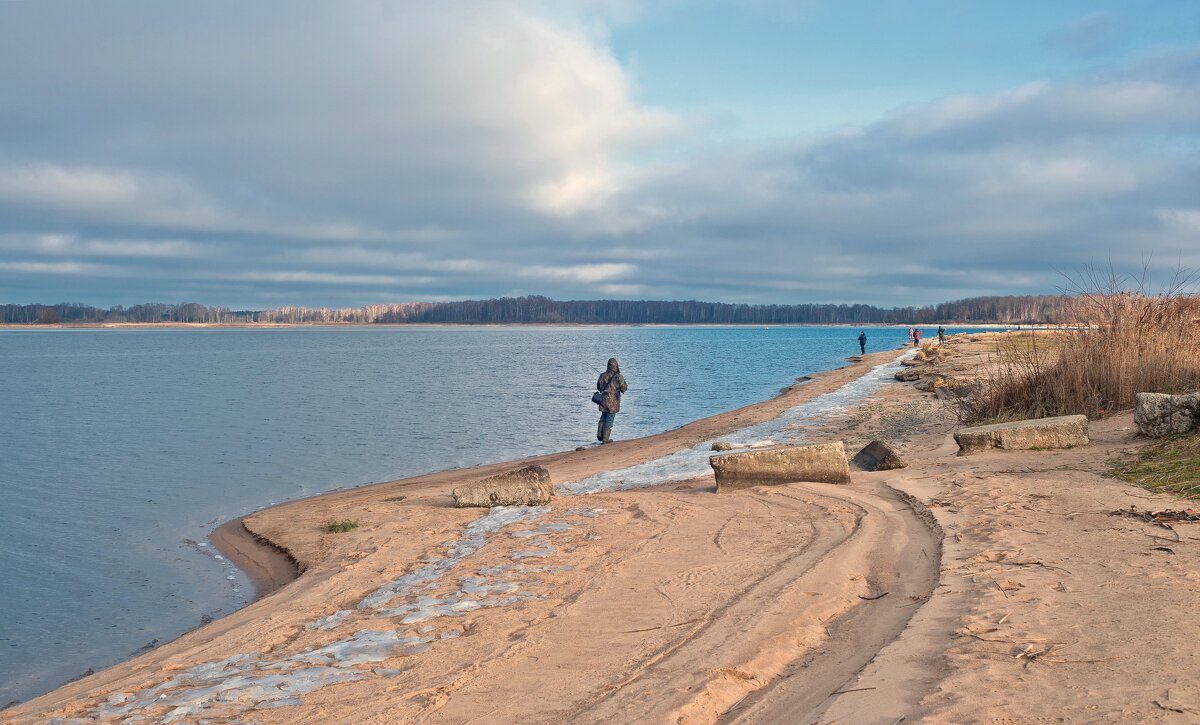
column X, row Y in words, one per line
column 892, row 152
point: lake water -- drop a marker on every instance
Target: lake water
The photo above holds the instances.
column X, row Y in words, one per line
column 122, row 449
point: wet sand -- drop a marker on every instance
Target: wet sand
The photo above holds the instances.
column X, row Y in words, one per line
column 268, row 566
column 989, row 588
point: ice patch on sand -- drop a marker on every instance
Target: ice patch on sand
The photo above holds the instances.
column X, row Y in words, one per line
column 474, row 537
column 384, row 621
column 330, row 621
column 543, row 529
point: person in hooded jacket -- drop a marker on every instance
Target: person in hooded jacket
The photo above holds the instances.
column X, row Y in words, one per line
column 611, row 385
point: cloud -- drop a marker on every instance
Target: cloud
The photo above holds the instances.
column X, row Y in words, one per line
column 358, row 280
column 359, row 152
column 582, row 273
column 380, row 110
column 63, row 268
column 70, row 245
column 622, row 290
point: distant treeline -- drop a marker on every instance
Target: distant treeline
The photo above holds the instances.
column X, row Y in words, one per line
column 1034, row 309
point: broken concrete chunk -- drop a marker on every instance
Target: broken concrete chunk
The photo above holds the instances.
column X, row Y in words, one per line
column 878, row 456
column 529, row 486
column 820, row 463
column 930, row 384
column 1065, row 431
column 722, row 446
column 1161, row 414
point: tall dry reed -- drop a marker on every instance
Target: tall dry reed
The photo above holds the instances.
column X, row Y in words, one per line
column 1124, row 342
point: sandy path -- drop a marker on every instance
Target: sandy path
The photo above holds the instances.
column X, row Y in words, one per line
column 1050, row 607
column 901, row 548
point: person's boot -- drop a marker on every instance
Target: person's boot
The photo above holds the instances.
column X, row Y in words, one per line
column 606, row 434
column 600, row 431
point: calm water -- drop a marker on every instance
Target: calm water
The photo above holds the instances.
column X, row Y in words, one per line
column 122, row 449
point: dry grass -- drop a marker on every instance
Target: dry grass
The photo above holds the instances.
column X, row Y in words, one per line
column 1125, row 342
column 1169, row 466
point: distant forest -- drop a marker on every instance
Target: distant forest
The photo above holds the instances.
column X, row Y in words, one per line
column 1048, row 309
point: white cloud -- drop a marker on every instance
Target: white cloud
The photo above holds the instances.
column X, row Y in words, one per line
column 70, row 245
column 73, row 269
column 962, row 110
column 366, row 280
column 584, row 273
column 624, row 290
column 67, row 188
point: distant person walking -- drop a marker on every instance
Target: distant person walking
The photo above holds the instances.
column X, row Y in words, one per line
column 916, row 337
column 862, row 341
column 610, row 387
column 941, row 335
column 910, row 333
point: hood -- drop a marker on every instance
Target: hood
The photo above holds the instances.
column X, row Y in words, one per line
column 612, row 365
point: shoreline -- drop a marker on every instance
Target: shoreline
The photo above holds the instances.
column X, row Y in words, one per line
column 258, row 548
column 271, row 566
column 1003, row 585
column 268, row 566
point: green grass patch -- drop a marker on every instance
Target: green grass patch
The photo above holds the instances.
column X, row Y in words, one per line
column 339, row 527
column 1171, row 465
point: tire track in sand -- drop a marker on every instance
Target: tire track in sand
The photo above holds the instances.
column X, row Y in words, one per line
column 795, row 650
column 901, row 550
column 750, row 630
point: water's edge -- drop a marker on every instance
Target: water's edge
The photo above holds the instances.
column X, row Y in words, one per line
column 270, row 566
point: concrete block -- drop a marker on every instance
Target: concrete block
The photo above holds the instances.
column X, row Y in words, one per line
column 820, row 463
column 1065, row 431
column 529, row 486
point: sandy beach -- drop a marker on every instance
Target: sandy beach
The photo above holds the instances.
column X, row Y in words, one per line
column 1000, row 587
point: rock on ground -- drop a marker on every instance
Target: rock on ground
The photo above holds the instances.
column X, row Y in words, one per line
column 722, row 446
column 1065, row 431
column 1161, row 414
column 529, row 486
column 930, row 384
column 820, row 463
column 878, row 456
